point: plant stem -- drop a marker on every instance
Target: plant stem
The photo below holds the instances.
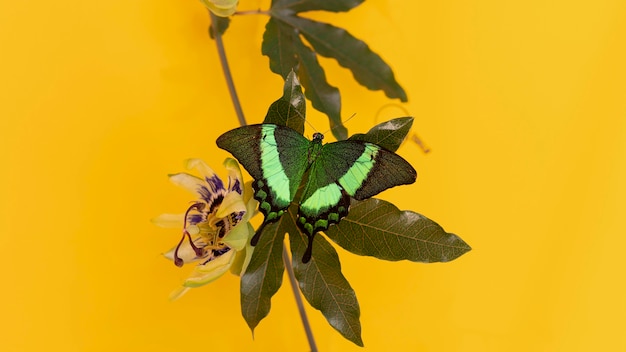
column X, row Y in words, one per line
column 242, row 122
column 226, row 70
column 252, row 12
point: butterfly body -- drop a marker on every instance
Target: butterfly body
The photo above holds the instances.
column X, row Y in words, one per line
column 281, row 160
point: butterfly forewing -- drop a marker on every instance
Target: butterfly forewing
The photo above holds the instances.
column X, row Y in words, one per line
column 243, row 144
column 275, row 156
column 386, row 170
column 292, row 150
column 370, row 168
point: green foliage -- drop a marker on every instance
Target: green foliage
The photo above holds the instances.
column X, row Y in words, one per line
column 388, row 135
column 263, row 276
column 284, row 45
column 320, row 280
column 323, row 285
column 323, row 96
column 290, row 109
column 377, row 228
column 372, row 227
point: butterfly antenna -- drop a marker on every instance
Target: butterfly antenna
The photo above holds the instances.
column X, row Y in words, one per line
column 310, row 124
column 341, row 124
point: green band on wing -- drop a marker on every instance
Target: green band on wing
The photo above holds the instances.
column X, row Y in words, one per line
column 357, row 173
column 321, row 200
column 277, row 180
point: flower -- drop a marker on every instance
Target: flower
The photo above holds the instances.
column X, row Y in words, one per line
column 222, row 8
column 215, row 227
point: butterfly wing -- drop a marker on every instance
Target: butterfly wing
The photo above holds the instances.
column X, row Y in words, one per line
column 376, row 170
column 347, row 169
column 276, row 157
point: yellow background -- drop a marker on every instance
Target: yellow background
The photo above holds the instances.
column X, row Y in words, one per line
column 522, row 103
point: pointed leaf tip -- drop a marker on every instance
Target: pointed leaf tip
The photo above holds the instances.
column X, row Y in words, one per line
column 263, row 276
column 290, row 109
column 389, row 134
column 377, row 228
column 324, row 286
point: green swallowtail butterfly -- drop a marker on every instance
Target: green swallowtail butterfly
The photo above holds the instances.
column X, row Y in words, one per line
column 277, row 157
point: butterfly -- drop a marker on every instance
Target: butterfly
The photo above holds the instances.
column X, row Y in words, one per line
column 281, row 160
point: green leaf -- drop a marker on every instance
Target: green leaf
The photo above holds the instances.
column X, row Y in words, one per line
column 292, row 93
column 290, row 109
column 322, row 283
column 320, row 280
column 222, row 24
column 263, row 276
column 283, row 45
column 367, row 67
column 277, row 46
column 323, row 96
column 287, row 52
column 389, row 134
column 377, row 228
column 314, row 5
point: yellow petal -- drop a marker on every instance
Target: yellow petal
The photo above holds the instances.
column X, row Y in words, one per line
column 169, row 220
column 204, row 274
column 232, row 202
column 222, row 3
column 238, row 237
column 234, row 171
column 251, row 204
column 242, row 259
column 198, row 164
column 222, row 8
column 178, row 293
column 187, row 181
column 186, row 252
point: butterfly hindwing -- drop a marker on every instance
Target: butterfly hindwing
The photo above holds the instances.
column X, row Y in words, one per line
column 324, row 200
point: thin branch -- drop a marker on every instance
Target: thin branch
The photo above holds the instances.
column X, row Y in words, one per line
column 242, row 122
column 252, row 12
column 226, row 70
